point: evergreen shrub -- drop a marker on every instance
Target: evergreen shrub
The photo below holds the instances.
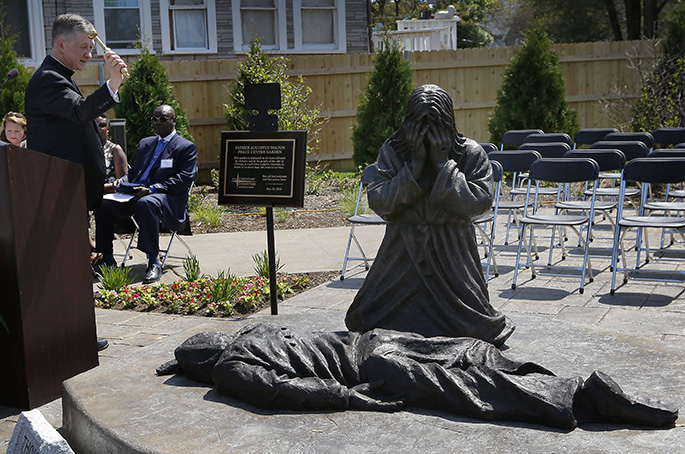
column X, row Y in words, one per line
column 380, row 110
column 146, row 89
column 532, row 95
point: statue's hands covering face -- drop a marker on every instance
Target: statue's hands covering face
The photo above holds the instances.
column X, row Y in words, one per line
column 440, row 141
column 415, row 136
column 359, row 400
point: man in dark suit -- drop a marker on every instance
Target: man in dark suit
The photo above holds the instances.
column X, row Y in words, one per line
column 62, row 120
column 160, row 179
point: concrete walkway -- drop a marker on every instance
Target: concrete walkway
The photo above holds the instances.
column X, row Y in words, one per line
column 637, row 336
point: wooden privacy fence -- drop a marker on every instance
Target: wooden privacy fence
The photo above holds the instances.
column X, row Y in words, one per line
column 592, row 72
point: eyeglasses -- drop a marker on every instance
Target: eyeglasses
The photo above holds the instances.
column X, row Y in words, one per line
column 161, row 119
column 102, row 125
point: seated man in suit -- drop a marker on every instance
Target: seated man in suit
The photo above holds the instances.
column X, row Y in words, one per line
column 160, row 179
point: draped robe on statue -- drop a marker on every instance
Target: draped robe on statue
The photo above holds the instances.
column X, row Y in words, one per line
column 427, row 276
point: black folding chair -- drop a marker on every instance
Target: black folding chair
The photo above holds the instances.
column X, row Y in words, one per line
column 516, row 162
column 646, row 170
column 549, row 137
column 607, row 160
column 516, row 137
column 668, row 136
column 673, row 198
column 488, row 147
column 631, row 149
column 184, row 230
column 491, row 218
column 551, row 150
column 547, row 149
column 361, row 218
column 588, row 136
column 644, row 137
column 559, row 170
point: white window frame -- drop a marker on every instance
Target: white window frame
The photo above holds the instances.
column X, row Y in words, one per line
column 36, row 35
column 281, row 33
column 145, row 26
column 210, row 11
column 340, row 36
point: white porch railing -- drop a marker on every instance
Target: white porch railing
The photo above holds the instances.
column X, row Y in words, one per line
column 422, row 35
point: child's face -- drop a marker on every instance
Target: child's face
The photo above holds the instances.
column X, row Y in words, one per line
column 14, row 132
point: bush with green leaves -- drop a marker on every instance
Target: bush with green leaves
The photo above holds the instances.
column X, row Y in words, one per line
column 146, row 89
column 380, row 110
column 295, row 112
column 532, row 95
column 660, row 103
column 12, row 96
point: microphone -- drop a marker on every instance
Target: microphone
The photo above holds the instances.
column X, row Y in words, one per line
column 14, row 72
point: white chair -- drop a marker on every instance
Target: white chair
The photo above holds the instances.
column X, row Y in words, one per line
column 361, row 219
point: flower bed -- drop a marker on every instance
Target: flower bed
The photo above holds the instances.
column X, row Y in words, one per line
column 208, row 296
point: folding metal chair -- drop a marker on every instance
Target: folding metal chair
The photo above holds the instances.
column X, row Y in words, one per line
column 644, row 137
column 607, row 160
column 646, row 171
column 550, row 150
column 631, row 150
column 549, row 137
column 559, row 170
column 488, row 147
column 361, row 219
column 183, row 230
column 589, row 136
column 547, row 149
column 516, row 137
column 673, row 198
column 491, row 218
column 668, row 136
column 515, row 161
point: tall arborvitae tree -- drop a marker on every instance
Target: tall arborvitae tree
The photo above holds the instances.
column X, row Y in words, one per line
column 532, row 94
column 660, row 103
column 295, row 112
column 381, row 108
column 12, row 96
column 146, row 89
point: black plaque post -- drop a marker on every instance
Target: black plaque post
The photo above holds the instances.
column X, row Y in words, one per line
column 262, row 97
column 263, row 166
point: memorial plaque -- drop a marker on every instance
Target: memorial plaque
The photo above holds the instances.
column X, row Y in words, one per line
column 262, row 168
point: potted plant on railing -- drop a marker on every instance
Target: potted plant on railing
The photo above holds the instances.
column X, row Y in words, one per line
column 425, row 11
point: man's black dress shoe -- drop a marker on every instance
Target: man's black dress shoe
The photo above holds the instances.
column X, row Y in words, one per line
column 153, row 273
column 102, row 343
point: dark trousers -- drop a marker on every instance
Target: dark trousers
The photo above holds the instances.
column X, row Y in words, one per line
column 147, row 212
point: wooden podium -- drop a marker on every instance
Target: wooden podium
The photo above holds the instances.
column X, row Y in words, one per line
column 46, row 296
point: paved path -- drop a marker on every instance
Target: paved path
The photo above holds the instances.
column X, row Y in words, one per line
column 637, row 336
